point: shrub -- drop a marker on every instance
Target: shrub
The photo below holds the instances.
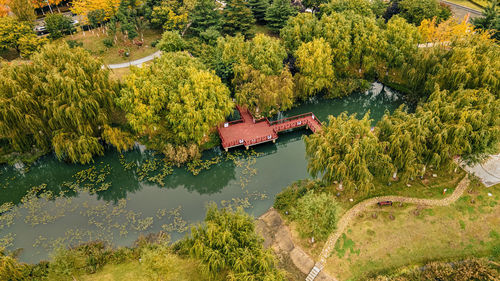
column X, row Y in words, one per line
column 155, row 42
column 74, row 43
column 66, row 263
column 287, row 199
column 316, row 215
column 108, row 42
column 171, row 41
column 58, row 25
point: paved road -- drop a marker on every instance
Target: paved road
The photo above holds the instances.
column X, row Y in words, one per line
column 360, row 207
column 488, row 171
column 135, row 62
column 460, row 11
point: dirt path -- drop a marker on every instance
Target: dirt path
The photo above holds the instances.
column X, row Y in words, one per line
column 360, row 207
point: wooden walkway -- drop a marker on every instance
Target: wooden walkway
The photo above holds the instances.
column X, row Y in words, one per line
column 247, row 131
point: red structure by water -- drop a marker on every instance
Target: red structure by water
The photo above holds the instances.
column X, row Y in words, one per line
column 247, row 131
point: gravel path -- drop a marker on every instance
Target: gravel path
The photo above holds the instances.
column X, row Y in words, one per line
column 360, row 207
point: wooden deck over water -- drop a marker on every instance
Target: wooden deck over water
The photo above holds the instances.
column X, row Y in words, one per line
column 247, row 131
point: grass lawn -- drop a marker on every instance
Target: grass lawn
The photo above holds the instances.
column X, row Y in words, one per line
column 93, row 41
column 469, row 4
column 414, row 236
column 183, row 269
column 429, row 187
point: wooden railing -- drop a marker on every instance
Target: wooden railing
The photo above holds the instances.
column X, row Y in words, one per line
column 288, row 119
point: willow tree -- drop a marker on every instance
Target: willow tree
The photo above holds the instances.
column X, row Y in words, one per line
column 402, row 42
column 469, row 121
column 264, row 95
column 347, row 151
column 404, row 138
column 261, row 82
column 62, row 100
column 472, row 62
column 175, row 102
column 227, row 245
column 315, row 64
column 299, row 29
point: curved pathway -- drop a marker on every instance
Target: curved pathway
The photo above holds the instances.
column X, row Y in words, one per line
column 134, row 62
column 362, row 206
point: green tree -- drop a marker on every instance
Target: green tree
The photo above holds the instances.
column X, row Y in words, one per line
column 96, row 17
column 490, row 19
column 18, row 35
column 366, row 40
column 259, row 8
column 170, row 15
column 278, row 14
column 237, row 18
column 62, row 101
column 469, row 120
column 315, row 63
column 472, row 62
column 316, row 215
column 416, row 11
column 23, row 9
column 405, row 140
column 299, row 29
column 227, row 244
column 347, row 151
column 264, row 95
column 10, row 268
column 266, row 54
column 402, row 40
column 205, row 15
column 360, row 7
column 175, row 102
column 314, row 4
column 127, row 11
column 58, row 25
column 171, row 41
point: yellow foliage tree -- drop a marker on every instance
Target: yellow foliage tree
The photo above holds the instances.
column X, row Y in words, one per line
column 4, row 8
column 83, row 7
column 445, row 31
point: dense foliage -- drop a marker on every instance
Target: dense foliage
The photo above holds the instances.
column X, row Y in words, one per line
column 471, row 269
column 227, row 244
column 18, row 35
column 316, row 215
column 490, row 20
column 347, row 151
column 175, row 103
column 60, row 101
column 58, row 25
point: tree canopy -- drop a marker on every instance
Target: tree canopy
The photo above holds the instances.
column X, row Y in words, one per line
column 237, row 18
column 347, row 151
column 175, row 101
column 278, row 13
column 227, row 243
column 62, row 101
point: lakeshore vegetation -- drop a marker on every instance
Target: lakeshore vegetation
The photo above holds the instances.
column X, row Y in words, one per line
column 57, row 96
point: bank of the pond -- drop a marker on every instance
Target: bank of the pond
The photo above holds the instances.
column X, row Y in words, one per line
column 118, row 197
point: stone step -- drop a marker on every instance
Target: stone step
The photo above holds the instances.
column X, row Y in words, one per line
column 314, row 272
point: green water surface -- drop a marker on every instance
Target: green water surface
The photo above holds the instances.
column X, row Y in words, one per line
column 126, row 206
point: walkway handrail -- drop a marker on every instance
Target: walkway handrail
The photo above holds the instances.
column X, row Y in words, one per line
column 292, row 118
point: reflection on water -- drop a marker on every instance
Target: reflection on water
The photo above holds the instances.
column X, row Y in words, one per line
column 117, row 207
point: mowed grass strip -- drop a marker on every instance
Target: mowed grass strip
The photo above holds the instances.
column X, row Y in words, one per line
column 387, row 238
column 182, row 269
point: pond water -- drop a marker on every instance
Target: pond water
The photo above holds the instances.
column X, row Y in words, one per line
column 119, row 197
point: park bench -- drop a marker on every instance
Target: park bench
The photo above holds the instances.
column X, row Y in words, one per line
column 384, row 203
